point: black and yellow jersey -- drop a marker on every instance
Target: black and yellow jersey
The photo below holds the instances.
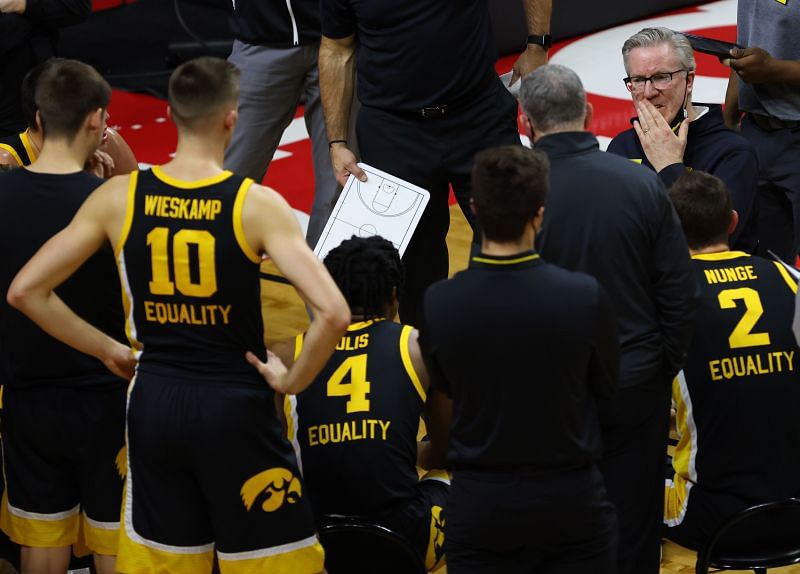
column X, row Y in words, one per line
column 34, row 207
column 20, row 148
column 738, row 395
column 355, row 427
column 190, row 281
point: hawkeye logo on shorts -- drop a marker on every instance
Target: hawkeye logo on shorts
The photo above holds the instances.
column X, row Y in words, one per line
column 436, row 540
column 122, row 462
column 278, row 485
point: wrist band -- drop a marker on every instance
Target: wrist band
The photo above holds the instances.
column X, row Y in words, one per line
column 330, row 143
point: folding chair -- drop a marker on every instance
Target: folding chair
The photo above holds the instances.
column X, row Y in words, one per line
column 356, row 546
column 760, row 537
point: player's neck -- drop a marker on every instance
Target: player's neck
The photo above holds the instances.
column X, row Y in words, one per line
column 716, row 248
column 61, row 157
column 196, row 158
column 500, row 249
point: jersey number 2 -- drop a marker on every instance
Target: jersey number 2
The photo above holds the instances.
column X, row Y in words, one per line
column 357, row 389
column 742, row 334
column 204, row 285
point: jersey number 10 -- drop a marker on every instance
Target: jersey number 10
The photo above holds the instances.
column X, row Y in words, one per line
column 205, row 284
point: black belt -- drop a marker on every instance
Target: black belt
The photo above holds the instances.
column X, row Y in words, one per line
column 771, row 123
column 443, row 110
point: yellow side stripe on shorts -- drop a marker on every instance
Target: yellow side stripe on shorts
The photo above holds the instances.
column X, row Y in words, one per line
column 302, row 557
column 100, row 537
column 39, row 530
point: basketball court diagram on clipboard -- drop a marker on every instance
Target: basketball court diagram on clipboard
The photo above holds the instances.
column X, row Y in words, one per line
column 383, row 205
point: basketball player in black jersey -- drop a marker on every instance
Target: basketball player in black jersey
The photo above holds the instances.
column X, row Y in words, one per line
column 113, row 157
column 63, row 421
column 208, row 467
column 356, row 427
column 737, row 396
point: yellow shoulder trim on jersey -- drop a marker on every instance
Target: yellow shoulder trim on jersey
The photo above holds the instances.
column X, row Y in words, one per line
column 786, row 277
column 506, row 261
column 406, row 357
column 238, row 228
column 26, row 143
column 720, row 255
column 636, row 160
column 128, row 221
column 298, row 345
column 362, row 324
column 13, row 153
column 181, row 184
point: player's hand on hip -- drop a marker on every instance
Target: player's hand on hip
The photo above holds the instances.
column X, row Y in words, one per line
column 660, row 144
column 344, row 163
column 753, row 65
column 273, row 371
column 121, row 361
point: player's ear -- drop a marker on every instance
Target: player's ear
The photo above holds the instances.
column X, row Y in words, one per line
column 231, row 117
column 38, row 121
column 734, row 222
column 94, row 121
column 538, row 219
column 169, row 113
column 472, row 206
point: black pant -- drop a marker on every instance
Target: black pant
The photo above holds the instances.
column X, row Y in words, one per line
column 635, row 424
column 434, row 154
column 555, row 523
column 778, row 188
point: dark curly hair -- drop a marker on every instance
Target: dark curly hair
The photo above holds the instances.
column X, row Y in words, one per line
column 367, row 270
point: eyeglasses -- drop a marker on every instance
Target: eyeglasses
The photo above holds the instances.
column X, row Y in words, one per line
column 660, row 81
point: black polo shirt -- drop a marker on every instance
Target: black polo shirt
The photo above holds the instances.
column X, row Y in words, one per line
column 415, row 53
column 523, row 348
column 276, row 23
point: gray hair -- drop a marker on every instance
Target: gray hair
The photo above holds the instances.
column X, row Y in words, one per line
column 552, row 96
column 649, row 37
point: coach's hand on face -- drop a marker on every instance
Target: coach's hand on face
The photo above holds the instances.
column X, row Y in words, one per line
column 660, row 144
column 273, row 371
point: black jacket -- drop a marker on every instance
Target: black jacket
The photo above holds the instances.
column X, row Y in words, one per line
column 713, row 148
column 610, row 218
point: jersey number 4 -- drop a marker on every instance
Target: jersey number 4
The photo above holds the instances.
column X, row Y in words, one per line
column 742, row 334
column 188, row 246
column 355, row 369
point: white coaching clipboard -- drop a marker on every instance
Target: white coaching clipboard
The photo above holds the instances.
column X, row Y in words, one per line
column 383, row 205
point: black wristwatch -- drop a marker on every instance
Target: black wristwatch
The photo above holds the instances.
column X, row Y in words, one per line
column 545, row 40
